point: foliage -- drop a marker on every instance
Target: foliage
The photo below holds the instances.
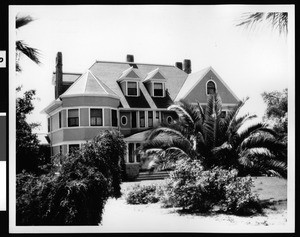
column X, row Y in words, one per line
column 197, row 190
column 277, row 110
column 77, row 186
column 22, row 47
column 142, row 194
column 278, row 20
column 230, row 141
column 132, row 171
column 27, row 143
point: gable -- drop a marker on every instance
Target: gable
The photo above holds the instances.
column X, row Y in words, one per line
column 158, row 76
column 132, row 74
column 198, row 92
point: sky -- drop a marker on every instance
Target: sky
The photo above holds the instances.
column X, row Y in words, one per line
column 249, row 61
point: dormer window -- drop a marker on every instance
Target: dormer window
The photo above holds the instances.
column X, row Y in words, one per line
column 155, row 83
column 158, row 89
column 210, row 88
column 132, row 88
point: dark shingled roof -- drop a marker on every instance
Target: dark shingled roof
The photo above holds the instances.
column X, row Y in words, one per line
column 162, row 102
column 137, row 102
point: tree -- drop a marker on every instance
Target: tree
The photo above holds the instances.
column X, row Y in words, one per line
column 77, row 186
column 205, row 135
column 278, row 20
column 22, row 47
column 27, row 143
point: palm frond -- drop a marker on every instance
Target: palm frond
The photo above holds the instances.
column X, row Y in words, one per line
column 164, row 131
column 31, row 53
column 22, row 21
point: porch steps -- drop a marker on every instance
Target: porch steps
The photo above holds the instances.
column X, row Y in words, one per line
column 152, row 175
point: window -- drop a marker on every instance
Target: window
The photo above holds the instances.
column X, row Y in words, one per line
column 150, row 119
column 49, row 124
column 133, row 119
column 138, row 155
column 132, row 89
column 157, row 115
column 73, row 118
column 124, row 120
column 60, row 150
column 96, row 117
column 73, row 147
column 211, row 88
column 142, row 119
column 59, row 119
column 158, row 89
column 131, row 152
column 114, row 118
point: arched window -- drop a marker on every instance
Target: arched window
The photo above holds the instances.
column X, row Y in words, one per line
column 210, row 87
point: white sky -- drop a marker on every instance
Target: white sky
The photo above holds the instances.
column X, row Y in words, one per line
column 250, row 62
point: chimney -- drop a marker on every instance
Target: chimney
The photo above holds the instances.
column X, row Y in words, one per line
column 129, row 58
column 187, row 66
column 58, row 75
column 179, row 65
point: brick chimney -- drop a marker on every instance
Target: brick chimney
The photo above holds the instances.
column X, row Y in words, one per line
column 187, row 66
column 58, row 76
column 179, row 65
column 129, row 58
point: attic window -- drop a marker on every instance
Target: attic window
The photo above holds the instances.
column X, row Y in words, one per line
column 210, row 88
column 158, row 89
column 132, row 89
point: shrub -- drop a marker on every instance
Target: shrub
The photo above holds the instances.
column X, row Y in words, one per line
column 76, row 188
column 197, row 190
column 142, row 194
column 132, row 171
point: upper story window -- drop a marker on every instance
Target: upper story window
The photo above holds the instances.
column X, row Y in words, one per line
column 73, row 118
column 114, row 118
column 59, row 119
column 210, row 88
column 158, row 89
column 132, row 88
column 96, row 117
column 49, row 124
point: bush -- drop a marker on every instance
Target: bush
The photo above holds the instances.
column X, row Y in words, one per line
column 76, row 188
column 197, row 190
column 142, row 194
column 132, row 171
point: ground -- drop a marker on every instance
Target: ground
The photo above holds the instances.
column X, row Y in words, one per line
column 121, row 217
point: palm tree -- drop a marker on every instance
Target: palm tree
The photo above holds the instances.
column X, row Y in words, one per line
column 206, row 135
column 278, row 20
column 22, row 47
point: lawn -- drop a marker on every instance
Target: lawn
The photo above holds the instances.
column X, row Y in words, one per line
column 121, row 217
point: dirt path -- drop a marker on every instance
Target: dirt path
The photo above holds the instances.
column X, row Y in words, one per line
column 121, row 217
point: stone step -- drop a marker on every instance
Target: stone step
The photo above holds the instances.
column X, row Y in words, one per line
column 152, row 176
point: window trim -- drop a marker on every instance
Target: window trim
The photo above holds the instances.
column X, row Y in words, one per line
column 68, row 118
column 216, row 89
column 169, row 117
column 68, row 146
column 102, row 117
column 137, row 89
column 163, row 89
column 121, row 120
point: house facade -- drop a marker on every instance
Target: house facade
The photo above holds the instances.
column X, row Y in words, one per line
column 128, row 96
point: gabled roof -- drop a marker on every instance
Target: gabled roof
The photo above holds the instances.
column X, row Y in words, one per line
column 109, row 72
column 192, row 80
column 88, row 85
column 129, row 73
column 155, row 74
